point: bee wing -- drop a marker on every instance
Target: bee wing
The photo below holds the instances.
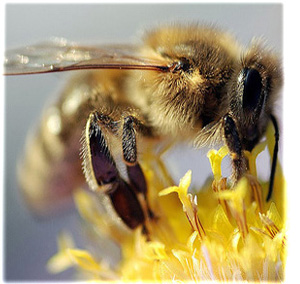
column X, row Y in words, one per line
column 61, row 55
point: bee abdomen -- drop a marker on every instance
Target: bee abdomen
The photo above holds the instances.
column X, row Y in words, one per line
column 50, row 169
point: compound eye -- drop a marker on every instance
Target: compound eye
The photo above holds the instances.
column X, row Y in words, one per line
column 252, row 82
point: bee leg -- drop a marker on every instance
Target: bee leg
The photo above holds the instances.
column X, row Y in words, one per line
column 102, row 174
column 127, row 205
column 274, row 160
column 138, row 182
column 134, row 170
column 234, row 145
column 130, row 126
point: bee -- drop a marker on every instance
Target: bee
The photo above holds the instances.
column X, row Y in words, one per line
column 191, row 83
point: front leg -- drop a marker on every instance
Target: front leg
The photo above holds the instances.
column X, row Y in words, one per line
column 102, row 174
column 132, row 125
column 234, row 145
column 135, row 174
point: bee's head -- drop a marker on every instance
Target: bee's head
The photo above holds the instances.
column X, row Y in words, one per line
column 253, row 91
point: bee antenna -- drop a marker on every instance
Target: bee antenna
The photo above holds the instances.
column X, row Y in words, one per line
column 275, row 155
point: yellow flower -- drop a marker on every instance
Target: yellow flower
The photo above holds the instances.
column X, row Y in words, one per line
column 220, row 233
column 189, row 204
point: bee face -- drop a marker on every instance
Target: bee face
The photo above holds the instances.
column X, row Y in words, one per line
column 210, row 75
column 253, row 90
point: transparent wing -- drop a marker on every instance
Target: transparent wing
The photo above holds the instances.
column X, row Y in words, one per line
column 60, row 55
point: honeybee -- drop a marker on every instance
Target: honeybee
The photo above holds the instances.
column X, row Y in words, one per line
column 190, row 83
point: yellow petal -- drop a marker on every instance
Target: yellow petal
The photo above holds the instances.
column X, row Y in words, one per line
column 185, row 182
column 191, row 241
column 59, row 262
column 156, row 251
column 215, row 158
column 185, row 260
column 273, row 215
column 236, row 196
column 168, row 190
column 83, row 259
column 221, row 223
column 182, row 190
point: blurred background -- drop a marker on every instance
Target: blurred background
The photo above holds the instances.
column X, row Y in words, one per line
column 29, row 243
